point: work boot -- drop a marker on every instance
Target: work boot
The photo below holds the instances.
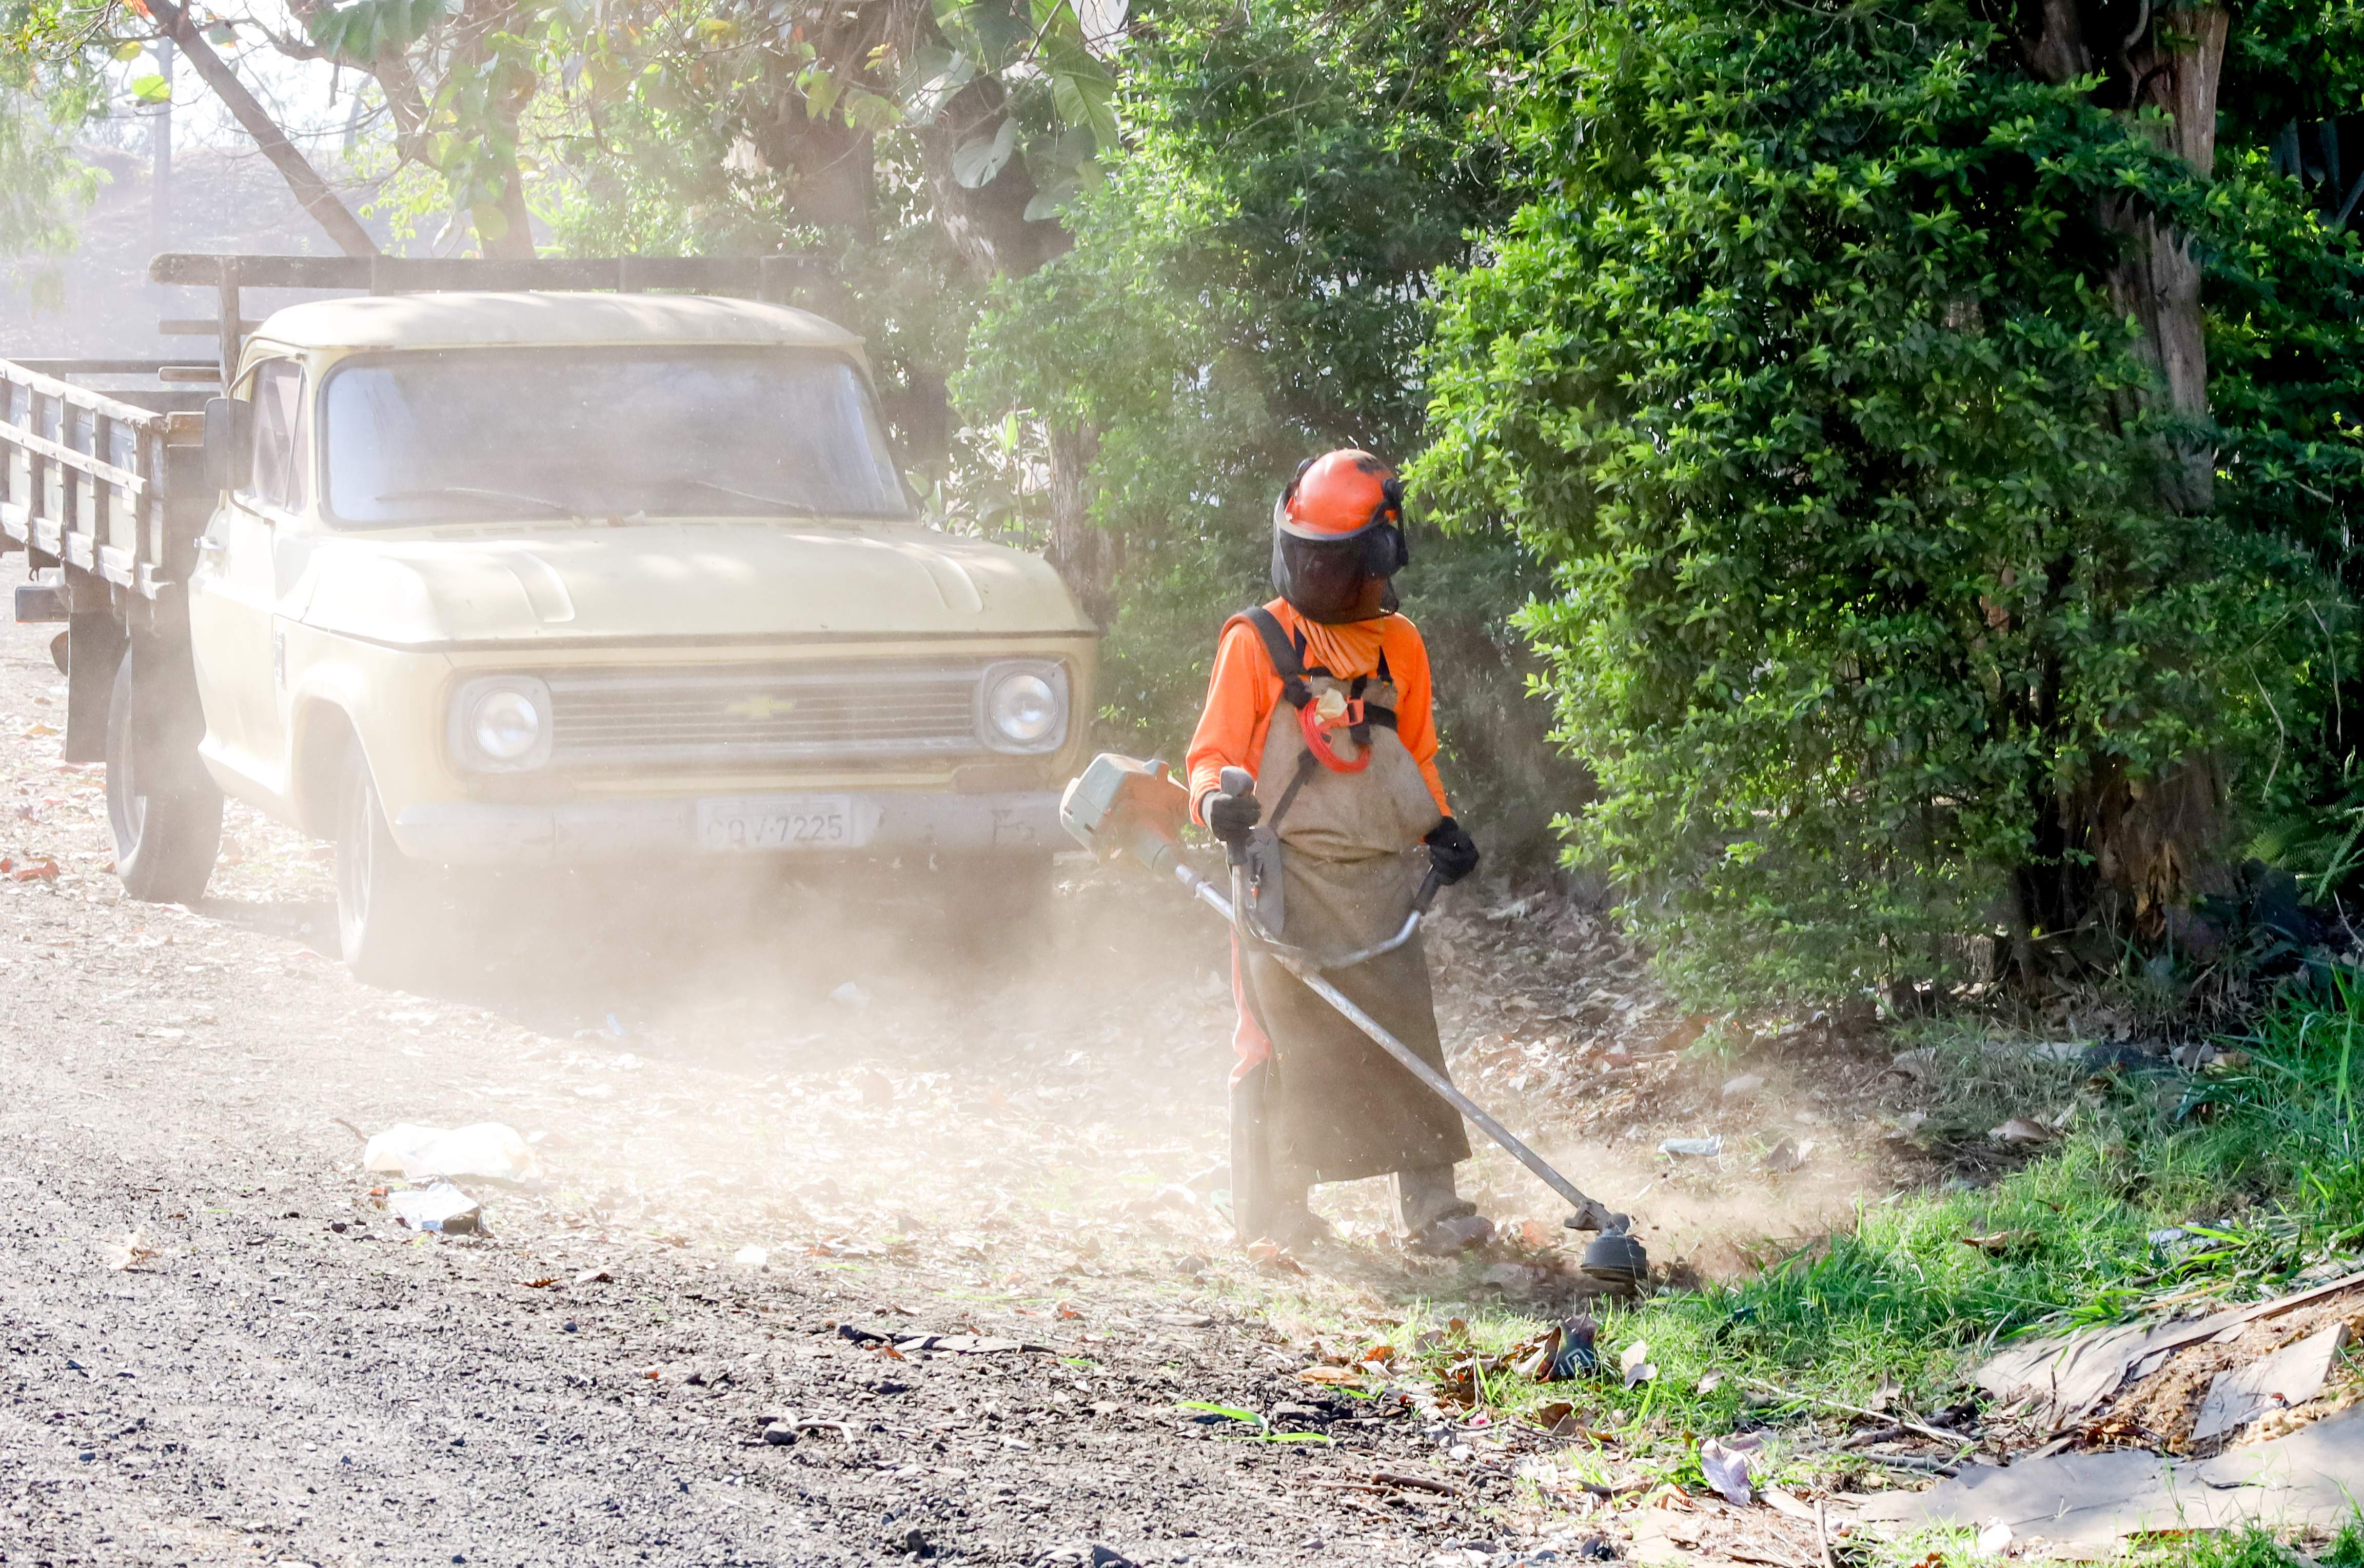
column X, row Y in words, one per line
column 1294, row 1225
column 1436, row 1220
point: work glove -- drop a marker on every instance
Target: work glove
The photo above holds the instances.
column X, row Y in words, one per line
column 1451, row 851
column 1228, row 817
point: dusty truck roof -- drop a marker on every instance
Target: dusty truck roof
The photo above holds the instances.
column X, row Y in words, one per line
column 475, row 318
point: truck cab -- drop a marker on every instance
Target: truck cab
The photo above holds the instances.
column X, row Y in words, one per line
column 502, row 580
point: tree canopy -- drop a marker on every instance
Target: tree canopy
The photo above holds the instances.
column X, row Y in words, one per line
column 1883, row 471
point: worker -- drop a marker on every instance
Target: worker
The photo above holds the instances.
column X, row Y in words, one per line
column 1323, row 695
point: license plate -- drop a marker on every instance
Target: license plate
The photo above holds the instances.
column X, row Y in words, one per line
column 780, row 822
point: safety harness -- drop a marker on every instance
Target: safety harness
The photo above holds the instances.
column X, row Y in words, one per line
column 1288, row 655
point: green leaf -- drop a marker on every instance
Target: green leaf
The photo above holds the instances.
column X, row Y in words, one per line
column 977, row 162
column 152, row 88
column 1233, row 1411
column 820, row 89
column 128, row 50
column 867, row 111
column 1083, row 93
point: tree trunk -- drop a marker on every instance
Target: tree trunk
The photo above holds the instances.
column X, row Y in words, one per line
column 302, row 178
column 1084, row 553
column 2160, row 841
column 2158, row 281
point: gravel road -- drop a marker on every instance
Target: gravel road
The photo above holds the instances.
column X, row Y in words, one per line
column 765, row 1120
column 785, row 1136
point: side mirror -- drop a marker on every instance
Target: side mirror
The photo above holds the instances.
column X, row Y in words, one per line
column 229, row 443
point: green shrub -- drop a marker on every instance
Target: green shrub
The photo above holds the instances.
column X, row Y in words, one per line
column 1801, row 371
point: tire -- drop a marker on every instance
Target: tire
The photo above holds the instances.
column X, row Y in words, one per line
column 164, row 809
column 387, row 903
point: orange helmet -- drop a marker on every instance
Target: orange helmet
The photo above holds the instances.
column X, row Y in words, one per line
column 1338, row 495
column 1337, row 528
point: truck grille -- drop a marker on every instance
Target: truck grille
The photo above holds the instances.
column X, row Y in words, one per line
column 877, row 715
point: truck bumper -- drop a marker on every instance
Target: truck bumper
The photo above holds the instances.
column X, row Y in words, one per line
column 467, row 833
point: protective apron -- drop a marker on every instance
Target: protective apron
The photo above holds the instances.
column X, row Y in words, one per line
column 1331, row 1105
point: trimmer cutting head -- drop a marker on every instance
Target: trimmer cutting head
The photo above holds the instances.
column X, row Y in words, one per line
column 1616, row 1258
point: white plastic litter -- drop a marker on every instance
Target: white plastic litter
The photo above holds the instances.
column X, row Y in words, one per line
column 488, row 1151
column 441, row 1206
column 1693, row 1147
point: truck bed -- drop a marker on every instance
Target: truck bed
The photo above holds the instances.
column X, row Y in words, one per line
column 102, row 481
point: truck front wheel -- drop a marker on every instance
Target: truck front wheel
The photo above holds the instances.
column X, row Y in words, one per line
column 385, row 900
column 165, row 810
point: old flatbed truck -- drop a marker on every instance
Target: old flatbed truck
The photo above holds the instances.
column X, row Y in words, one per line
column 486, row 569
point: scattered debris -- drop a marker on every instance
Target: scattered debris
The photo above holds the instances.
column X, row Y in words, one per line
column 1575, row 1354
column 750, row 1257
column 1744, row 1086
column 2019, row 1132
column 132, row 1251
column 484, row 1151
column 851, row 993
column 438, row 1206
column 1995, row 1243
column 1726, row 1465
column 1634, row 1363
column 1692, row 1148
column 1993, row 1539
column 1788, row 1154
column 2309, row 1476
column 2067, row 1374
column 2292, row 1375
column 594, row 1276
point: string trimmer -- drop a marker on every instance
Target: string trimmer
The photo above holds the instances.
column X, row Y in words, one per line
column 1124, row 809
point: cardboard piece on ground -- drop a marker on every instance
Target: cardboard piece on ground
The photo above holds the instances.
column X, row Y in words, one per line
column 2070, row 1373
column 2310, row 1476
column 2292, row 1375
column 1653, row 1545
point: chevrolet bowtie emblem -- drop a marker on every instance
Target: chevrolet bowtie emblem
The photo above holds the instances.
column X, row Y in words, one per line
column 760, row 707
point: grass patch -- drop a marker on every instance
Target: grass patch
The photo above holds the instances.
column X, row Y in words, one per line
column 2262, row 1146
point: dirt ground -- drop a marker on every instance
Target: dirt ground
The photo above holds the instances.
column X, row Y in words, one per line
column 777, row 1123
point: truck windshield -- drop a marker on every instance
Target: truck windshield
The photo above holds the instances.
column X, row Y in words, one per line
column 468, row 435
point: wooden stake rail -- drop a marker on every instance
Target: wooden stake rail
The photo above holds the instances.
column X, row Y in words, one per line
column 774, row 278
column 82, row 473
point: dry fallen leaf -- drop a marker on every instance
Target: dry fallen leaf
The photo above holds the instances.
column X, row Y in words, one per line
column 1334, row 1375
column 1276, row 1258
column 130, row 1253
column 1634, row 1362
column 544, row 1283
column 1993, row 1244
column 2019, row 1131
column 1727, row 1471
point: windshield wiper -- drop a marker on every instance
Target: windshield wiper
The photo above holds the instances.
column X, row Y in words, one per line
column 559, row 507
column 802, row 508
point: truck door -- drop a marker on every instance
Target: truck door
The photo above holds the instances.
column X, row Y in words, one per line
column 234, row 591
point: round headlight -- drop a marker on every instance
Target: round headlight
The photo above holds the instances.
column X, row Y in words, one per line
column 1023, row 707
column 505, row 724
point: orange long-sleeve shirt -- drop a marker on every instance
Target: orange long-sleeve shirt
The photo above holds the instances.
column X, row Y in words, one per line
column 1245, row 690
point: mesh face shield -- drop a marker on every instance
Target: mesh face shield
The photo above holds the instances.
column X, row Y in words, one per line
column 1326, row 576
column 1325, row 579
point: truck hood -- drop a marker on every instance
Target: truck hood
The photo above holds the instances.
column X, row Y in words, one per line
column 736, row 580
